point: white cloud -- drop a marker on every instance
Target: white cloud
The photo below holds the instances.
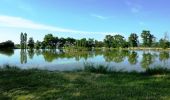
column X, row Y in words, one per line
column 17, row 22
column 99, row 16
column 11, row 27
column 21, row 23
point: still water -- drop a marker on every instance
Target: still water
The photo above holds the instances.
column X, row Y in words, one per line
column 60, row 60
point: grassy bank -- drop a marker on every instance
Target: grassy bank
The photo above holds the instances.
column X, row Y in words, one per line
column 36, row 84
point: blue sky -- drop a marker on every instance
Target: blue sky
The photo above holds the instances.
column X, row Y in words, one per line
column 82, row 18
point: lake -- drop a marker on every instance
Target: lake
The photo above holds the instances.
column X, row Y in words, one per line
column 60, row 60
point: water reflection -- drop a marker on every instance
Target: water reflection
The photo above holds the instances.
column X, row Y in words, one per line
column 23, row 56
column 8, row 52
column 132, row 58
column 163, row 56
column 115, row 55
column 117, row 58
column 52, row 54
column 31, row 53
column 147, row 59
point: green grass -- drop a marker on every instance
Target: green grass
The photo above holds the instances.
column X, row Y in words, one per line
column 37, row 84
column 88, row 67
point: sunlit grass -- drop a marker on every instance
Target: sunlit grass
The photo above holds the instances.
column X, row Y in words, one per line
column 91, row 84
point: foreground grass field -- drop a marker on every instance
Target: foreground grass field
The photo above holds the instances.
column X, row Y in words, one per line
column 35, row 84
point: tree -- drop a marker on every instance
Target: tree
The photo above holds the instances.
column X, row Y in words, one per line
column 119, row 41
column 164, row 42
column 7, row 45
column 49, row 40
column 108, row 41
column 133, row 40
column 90, row 43
column 70, row 41
column 23, row 42
column 38, row 45
column 98, row 43
column 147, row 38
column 31, row 43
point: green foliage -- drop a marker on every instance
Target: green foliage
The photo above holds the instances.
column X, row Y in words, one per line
column 116, row 41
column 38, row 45
column 148, row 38
column 164, row 43
column 23, row 42
column 7, row 45
column 31, row 43
column 133, row 40
column 108, row 41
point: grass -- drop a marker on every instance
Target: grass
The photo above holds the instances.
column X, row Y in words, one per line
column 34, row 84
column 88, row 67
column 157, row 71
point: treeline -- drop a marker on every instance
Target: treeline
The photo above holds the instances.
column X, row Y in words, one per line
column 116, row 41
column 52, row 42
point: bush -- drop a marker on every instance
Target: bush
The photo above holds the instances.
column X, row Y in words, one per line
column 8, row 44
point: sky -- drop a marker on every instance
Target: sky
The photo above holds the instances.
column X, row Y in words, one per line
column 82, row 18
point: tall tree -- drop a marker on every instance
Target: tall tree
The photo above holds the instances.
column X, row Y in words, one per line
column 148, row 38
column 164, row 42
column 90, row 43
column 31, row 43
column 133, row 40
column 38, row 45
column 49, row 39
column 118, row 41
column 23, row 40
column 108, row 41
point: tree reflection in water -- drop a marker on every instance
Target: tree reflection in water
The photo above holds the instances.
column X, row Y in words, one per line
column 133, row 58
column 31, row 53
column 164, row 56
column 117, row 56
column 7, row 52
column 147, row 59
column 23, row 56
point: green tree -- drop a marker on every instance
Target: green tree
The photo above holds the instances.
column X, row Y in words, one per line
column 90, row 43
column 108, row 41
column 31, row 43
column 98, row 43
column 23, row 40
column 38, row 45
column 147, row 38
column 49, row 41
column 119, row 41
column 133, row 40
column 164, row 42
column 7, row 45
